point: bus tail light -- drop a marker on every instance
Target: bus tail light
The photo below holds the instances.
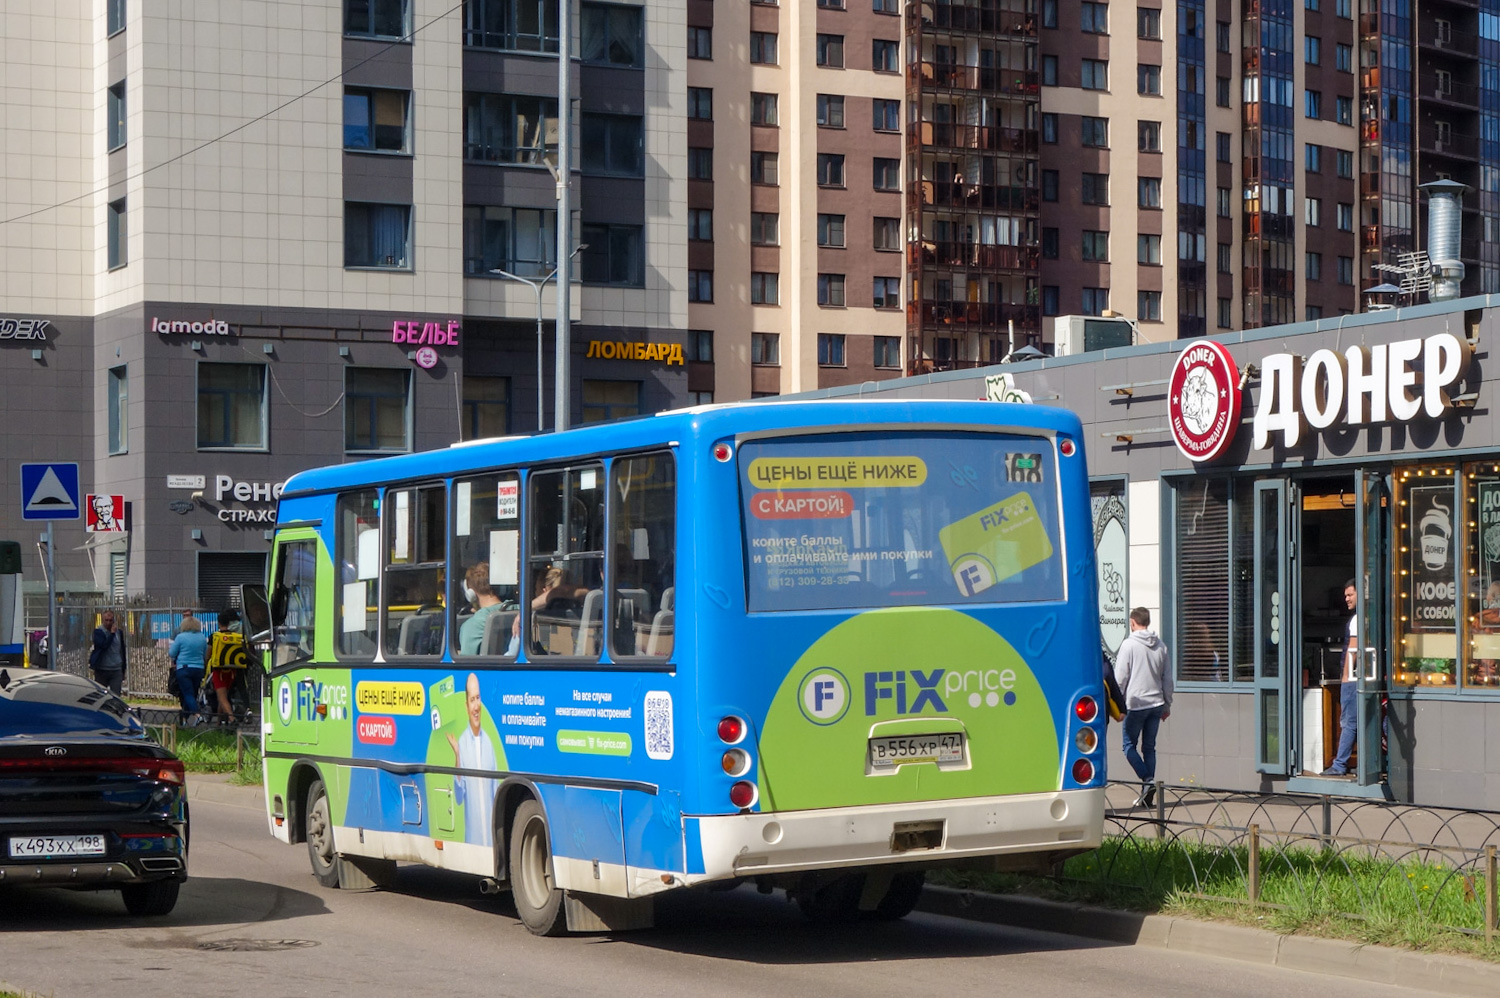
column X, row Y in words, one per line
column 743, row 794
column 722, row 452
column 1083, row 771
column 1067, row 447
column 731, row 730
column 736, row 762
column 1086, row 740
column 1087, row 708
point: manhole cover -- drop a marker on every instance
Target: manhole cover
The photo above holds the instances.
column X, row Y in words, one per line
column 254, row 945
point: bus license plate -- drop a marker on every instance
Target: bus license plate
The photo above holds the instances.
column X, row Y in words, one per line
column 56, row 846
column 898, row 749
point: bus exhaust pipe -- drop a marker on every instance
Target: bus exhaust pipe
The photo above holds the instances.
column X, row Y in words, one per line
column 489, row 885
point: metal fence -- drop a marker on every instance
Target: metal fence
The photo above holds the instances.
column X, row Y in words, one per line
column 1314, row 855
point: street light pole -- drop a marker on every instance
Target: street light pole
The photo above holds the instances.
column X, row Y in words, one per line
column 536, row 287
column 564, row 176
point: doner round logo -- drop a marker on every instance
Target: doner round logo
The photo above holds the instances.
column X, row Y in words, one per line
column 824, row 696
column 1203, row 400
column 284, row 701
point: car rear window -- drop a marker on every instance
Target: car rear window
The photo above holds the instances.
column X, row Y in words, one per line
column 913, row 519
column 47, row 704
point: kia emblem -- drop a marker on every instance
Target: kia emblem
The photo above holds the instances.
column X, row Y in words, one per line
column 56, row 750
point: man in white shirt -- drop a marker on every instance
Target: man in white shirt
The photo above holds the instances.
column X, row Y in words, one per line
column 1348, row 690
column 474, row 750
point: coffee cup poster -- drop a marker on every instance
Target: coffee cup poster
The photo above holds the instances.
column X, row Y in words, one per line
column 1430, row 550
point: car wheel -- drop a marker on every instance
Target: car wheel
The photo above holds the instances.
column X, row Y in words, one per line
column 156, row 898
column 538, row 900
column 325, row 862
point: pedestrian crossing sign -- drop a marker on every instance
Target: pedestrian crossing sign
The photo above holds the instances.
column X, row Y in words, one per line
column 50, row 492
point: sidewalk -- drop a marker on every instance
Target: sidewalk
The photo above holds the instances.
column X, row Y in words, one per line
column 216, row 788
column 1439, row 974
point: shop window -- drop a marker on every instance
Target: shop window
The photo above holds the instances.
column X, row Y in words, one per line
column 416, row 527
column 231, row 406
column 1426, row 621
column 486, row 407
column 522, row 25
column 376, row 120
column 612, row 145
column 520, row 241
column 563, row 613
column 1210, row 585
column 604, row 400
column 487, row 561
column 384, row 18
column 377, row 407
column 1481, row 665
column 377, row 236
column 643, row 522
column 358, row 540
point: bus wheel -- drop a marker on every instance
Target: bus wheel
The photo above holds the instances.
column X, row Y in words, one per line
column 325, row 862
column 834, row 901
column 900, row 898
column 539, row 902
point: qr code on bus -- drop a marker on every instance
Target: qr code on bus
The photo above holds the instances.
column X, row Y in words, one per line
column 658, row 713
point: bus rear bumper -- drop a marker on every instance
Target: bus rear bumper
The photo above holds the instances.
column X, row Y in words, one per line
column 742, row 845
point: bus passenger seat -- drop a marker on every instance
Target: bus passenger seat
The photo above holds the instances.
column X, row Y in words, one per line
column 590, row 623
column 659, row 641
column 421, row 634
column 497, row 632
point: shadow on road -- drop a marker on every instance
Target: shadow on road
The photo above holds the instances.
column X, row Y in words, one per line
column 205, row 901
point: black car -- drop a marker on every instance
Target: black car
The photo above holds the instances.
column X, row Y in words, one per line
column 86, row 800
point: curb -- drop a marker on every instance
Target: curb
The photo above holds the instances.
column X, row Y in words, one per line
column 216, row 789
column 1436, row 973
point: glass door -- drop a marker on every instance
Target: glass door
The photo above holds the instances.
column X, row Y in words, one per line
column 1276, row 626
column 1373, row 542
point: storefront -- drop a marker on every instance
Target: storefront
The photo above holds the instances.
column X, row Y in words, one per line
column 1241, row 482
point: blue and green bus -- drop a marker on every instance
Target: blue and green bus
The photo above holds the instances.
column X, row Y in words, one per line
column 823, row 646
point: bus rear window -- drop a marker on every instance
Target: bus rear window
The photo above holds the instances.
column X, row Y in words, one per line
column 915, row 519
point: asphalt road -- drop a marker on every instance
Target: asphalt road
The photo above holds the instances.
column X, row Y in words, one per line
column 252, row 921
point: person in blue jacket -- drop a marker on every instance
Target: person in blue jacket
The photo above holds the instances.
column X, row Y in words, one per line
column 186, row 653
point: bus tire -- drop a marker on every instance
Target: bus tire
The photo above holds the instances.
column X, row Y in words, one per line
column 539, row 901
column 319, row 829
column 835, row 901
column 900, row 898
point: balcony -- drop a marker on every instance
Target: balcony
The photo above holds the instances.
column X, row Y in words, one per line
column 1456, row 145
column 949, row 135
column 937, row 194
column 956, row 17
column 950, row 76
column 948, row 315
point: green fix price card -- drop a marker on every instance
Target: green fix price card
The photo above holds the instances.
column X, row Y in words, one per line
column 995, row 543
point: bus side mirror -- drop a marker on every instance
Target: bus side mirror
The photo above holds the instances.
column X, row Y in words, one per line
column 261, row 616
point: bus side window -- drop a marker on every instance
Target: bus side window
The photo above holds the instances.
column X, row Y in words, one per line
column 416, row 544
column 643, row 542
column 565, row 563
column 487, row 564
column 296, row 577
column 358, row 565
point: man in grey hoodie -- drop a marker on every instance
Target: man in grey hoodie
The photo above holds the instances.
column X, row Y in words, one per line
column 1144, row 672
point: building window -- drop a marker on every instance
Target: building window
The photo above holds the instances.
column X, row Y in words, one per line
column 888, row 352
column 1147, row 23
column 1313, row 313
column 1148, row 79
column 605, row 400
column 763, row 109
column 701, row 224
column 502, row 128
column 763, row 168
column 527, row 25
column 1049, row 127
column 383, row 18
column 1314, row 267
column 1094, row 18
column 1344, row 9
column 1222, row 146
column 116, row 112
column 119, row 410
column 1312, row 211
column 1095, row 132
column 887, row 174
column 116, row 233
column 486, row 408
column 115, row 12
column 831, row 110
column 1148, row 306
column 522, row 241
column 1051, row 299
column 700, row 163
column 1095, row 74
column 1049, row 70
column 765, row 288
column 1221, row 91
column 883, row 6
column 887, row 292
column 1312, row 157
column 885, row 56
column 1312, row 104
column 1095, row 301
column 1049, row 185
column 1226, row 313
column 613, row 254
column 377, row 406
column 830, row 51
column 1346, row 270
column 1343, row 110
column 763, row 48
column 1222, row 35
column 1051, row 243
column 1223, row 202
column 765, row 348
column 1343, row 58
column 887, row 234
column 886, row 115
column 1346, row 164
column 1312, row 5
column 1095, row 246
column 232, row 406
column 1225, row 258
column 612, row 145
column 700, row 285
column 830, row 349
column 1095, row 188
column 1148, row 136
column 377, row 235
column 1148, row 251
column 700, row 43
column 1312, row 50
column 831, row 231
column 764, row 228
column 831, row 290
column 701, row 103
column 830, row 169
column 700, row 345
column 831, row 4
column 1049, row 13
column 1149, row 192
column 1346, row 217
column 376, row 120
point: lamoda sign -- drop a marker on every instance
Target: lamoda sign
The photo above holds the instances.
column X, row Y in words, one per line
column 1390, row 382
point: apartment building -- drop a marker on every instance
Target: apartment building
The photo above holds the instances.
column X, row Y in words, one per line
column 244, row 239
